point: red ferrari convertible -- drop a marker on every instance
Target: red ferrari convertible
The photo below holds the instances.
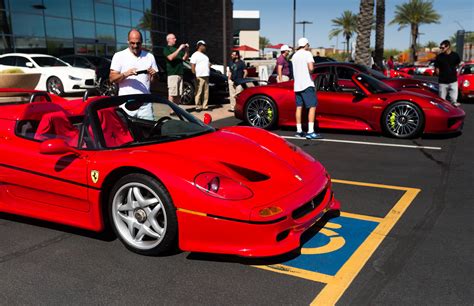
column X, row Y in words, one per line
column 124, row 162
column 366, row 105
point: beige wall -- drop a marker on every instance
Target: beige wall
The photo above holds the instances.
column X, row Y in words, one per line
column 251, row 39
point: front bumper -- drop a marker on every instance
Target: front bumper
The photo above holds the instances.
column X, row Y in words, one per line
column 211, row 234
column 438, row 122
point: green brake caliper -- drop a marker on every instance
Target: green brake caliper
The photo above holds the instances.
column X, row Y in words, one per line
column 270, row 114
column 392, row 119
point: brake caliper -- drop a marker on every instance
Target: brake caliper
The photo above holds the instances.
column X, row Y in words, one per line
column 392, row 119
column 270, row 113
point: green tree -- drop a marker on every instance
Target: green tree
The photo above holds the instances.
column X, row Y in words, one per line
column 413, row 14
column 263, row 42
column 345, row 25
column 379, row 31
column 431, row 44
column 364, row 27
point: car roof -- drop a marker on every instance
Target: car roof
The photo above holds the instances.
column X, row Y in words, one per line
column 27, row 55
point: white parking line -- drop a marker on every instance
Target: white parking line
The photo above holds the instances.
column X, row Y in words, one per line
column 369, row 143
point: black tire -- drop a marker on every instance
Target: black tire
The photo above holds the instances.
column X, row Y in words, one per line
column 187, row 98
column 143, row 226
column 55, row 86
column 403, row 120
column 107, row 88
column 261, row 111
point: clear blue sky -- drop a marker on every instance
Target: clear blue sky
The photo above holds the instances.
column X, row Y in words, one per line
column 276, row 18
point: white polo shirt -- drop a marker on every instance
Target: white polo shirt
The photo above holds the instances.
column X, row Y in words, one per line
column 301, row 73
column 134, row 84
column 202, row 63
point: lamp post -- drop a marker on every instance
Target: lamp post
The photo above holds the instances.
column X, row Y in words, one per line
column 304, row 23
column 294, row 22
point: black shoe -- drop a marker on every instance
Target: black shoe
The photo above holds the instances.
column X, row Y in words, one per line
column 231, row 110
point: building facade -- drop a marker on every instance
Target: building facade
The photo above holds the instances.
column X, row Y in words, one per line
column 246, row 30
column 100, row 27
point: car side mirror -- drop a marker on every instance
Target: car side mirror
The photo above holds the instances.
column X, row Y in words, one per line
column 207, row 119
column 29, row 65
column 358, row 93
column 56, row 147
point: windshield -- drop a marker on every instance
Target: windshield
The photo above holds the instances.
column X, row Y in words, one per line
column 373, row 85
column 376, row 74
column 467, row 69
column 141, row 119
column 46, row 61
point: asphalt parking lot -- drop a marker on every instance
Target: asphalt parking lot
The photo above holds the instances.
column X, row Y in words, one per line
column 404, row 237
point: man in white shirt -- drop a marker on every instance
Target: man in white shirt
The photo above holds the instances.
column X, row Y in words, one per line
column 133, row 69
column 303, row 65
column 200, row 67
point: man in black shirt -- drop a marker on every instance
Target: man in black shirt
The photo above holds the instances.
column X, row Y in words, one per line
column 445, row 64
column 235, row 72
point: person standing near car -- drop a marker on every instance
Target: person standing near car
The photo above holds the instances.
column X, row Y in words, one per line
column 200, row 67
column 445, row 67
column 236, row 71
column 133, row 69
column 303, row 65
column 174, row 67
column 283, row 67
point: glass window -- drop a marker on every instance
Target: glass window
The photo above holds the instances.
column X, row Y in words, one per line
column 58, row 27
column 83, row 9
column 7, row 61
column 48, row 61
column 27, row 6
column 83, row 63
column 122, row 16
column 105, row 32
column 122, row 34
column 27, row 25
column 84, row 29
column 345, row 73
column 125, row 3
column 69, row 60
column 4, row 23
column 147, row 4
column 104, row 13
column 59, row 47
column 6, row 44
column 137, row 18
column 137, row 5
column 172, row 11
column 30, row 44
column 59, row 8
column 21, row 61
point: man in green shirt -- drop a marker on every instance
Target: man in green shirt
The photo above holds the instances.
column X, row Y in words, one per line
column 174, row 67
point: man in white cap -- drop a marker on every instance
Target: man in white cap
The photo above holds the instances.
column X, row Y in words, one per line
column 200, row 67
column 283, row 67
column 303, row 65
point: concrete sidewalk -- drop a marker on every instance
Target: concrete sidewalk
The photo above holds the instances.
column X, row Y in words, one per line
column 217, row 112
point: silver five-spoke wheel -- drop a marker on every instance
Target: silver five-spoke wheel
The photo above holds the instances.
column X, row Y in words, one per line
column 141, row 214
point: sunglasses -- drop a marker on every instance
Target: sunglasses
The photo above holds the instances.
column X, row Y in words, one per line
column 442, row 47
column 135, row 43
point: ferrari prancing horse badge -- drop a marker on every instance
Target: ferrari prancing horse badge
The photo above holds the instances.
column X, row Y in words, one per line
column 94, row 176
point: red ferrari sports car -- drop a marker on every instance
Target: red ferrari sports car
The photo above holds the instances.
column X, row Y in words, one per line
column 124, row 162
column 466, row 81
column 366, row 105
column 345, row 71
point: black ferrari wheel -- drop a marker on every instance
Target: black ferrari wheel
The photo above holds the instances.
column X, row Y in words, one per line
column 261, row 112
column 187, row 98
column 142, row 215
column 55, row 86
column 403, row 120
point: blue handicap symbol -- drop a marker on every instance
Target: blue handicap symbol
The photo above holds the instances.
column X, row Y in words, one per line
column 333, row 245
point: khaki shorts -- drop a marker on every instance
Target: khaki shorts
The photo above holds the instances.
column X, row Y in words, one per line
column 175, row 85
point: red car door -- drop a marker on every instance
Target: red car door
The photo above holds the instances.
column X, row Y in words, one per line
column 41, row 183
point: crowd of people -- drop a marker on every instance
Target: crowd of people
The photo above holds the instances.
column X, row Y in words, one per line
column 133, row 69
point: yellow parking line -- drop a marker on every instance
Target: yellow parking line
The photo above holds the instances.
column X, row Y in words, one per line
column 309, row 275
column 336, row 287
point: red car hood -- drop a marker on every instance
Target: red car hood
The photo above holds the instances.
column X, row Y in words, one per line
column 229, row 153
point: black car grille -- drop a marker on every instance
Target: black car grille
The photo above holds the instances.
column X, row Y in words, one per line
column 90, row 82
column 308, row 207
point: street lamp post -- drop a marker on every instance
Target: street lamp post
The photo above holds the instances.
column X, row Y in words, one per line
column 294, row 22
column 304, row 23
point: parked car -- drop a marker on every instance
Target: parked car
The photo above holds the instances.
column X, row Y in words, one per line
column 466, row 81
column 218, row 86
column 428, row 69
column 57, row 76
column 101, row 66
column 367, row 105
column 96, row 166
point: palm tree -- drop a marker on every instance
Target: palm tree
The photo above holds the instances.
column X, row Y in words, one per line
column 431, row 44
column 379, row 32
column 415, row 13
column 263, row 42
column 345, row 25
column 364, row 26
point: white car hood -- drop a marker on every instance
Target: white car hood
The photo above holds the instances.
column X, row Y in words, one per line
column 81, row 73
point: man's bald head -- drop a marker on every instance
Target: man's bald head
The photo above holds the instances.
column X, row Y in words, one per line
column 171, row 39
column 134, row 34
column 135, row 41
